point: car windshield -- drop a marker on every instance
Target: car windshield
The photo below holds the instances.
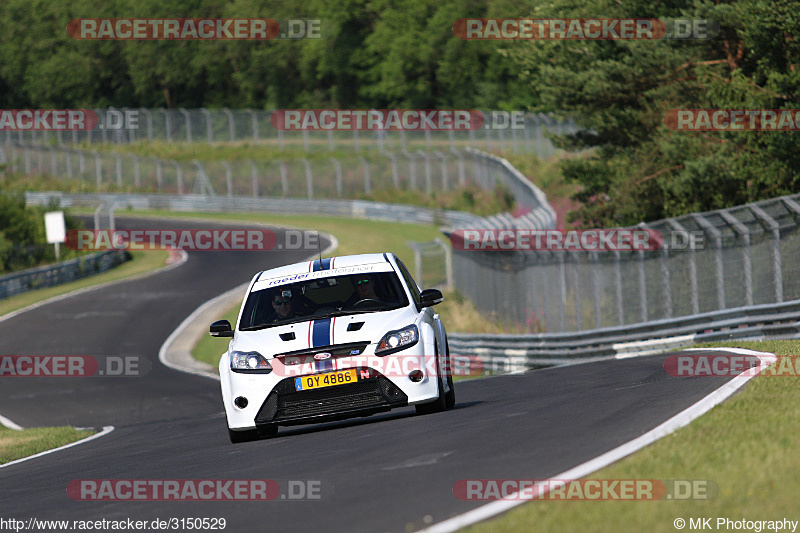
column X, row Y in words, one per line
column 322, row 297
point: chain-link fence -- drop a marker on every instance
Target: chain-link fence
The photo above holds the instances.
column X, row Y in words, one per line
column 312, row 177
column 433, row 264
column 119, row 126
column 742, row 256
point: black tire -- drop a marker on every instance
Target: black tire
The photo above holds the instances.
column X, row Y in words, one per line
column 450, row 396
column 439, row 404
column 247, row 435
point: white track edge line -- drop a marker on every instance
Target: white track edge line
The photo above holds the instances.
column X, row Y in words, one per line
column 676, row 422
column 10, row 424
column 106, row 430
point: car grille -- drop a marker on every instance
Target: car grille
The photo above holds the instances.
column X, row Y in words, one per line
column 285, row 404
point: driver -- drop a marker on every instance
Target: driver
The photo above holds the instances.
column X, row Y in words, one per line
column 283, row 304
column 364, row 289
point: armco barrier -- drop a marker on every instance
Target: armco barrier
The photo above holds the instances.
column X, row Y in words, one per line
column 517, row 352
column 289, row 206
column 51, row 275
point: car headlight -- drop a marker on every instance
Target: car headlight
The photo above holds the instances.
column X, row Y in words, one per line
column 252, row 362
column 394, row 341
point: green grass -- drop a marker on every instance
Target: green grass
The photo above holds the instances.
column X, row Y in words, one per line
column 140, row 263
column 18, row 444
column 744, row 445
column 269, row 150
column 356, row 236
column 228, row 151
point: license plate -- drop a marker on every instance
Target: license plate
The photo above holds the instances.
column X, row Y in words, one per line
column 330, row 379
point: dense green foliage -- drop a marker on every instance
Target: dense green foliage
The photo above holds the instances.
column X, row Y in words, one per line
column 388, row 53
column 621, row 91
column 23, row 243
column 379, row 53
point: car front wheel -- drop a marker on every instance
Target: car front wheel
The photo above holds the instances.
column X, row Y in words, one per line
column 440, row 403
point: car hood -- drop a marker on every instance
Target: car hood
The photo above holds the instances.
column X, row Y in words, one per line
column 357, row 328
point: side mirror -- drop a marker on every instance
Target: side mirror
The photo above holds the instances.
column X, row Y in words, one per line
column 430, row 297
column 221, row 328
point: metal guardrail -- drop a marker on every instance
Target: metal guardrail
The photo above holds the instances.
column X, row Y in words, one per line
column 518, row 352
column 291, row 206
column 51, row 275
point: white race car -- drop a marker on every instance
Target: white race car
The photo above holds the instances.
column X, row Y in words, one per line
column 330, row 339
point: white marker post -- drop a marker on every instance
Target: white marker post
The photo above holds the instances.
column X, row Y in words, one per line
column 56, row 229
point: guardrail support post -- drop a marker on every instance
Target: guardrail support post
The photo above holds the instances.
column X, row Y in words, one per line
column 720, row 274
column 367, row 178
column 775, row 229
column 228, row 177
column 618, row 287
column 137, row 175
column 693, row 296
column 448, row 262
column 337, row 168
column 97, row 216
column 98, row 169
column 577, row 294
column 562, row 285
column 231, row 124
column 309, row 180
column 284, row 177
column 742, row 230
column 593, row 256
column 253, row 178
column 209, row 125
column 118, row 168
column 428, row 179
column 187, row 118
column 665, row 276
column 642, row 286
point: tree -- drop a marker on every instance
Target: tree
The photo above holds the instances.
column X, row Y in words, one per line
column 620, row 92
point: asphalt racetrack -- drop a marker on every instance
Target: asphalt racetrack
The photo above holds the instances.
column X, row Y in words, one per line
column 389, row 472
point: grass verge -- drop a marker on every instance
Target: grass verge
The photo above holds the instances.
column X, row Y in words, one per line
column 18, row 444
column 743, row 445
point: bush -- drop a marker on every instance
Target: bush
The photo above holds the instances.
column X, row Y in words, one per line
column 23, row 241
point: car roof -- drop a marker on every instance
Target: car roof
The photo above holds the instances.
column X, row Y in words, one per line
column 326, row 264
